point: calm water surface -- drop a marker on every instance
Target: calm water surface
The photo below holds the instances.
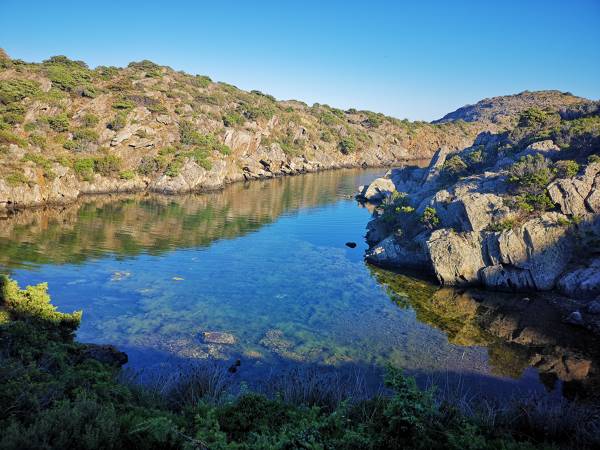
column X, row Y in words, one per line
column 267, row 263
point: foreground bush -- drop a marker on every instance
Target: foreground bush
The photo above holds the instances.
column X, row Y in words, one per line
column 53, row 395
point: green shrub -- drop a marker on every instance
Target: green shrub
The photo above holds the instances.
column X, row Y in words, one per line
column 13, row 114
column 395, row 204
column 531, row 202
column 123, row 105
column 84, row 168
column 201, row 81
column 147, row 166
column 8, row 137
column 118, row 122
column 373, row 120
column 566, row 168
column 454, row 167
column 533, row 117
column 107, row 165
column 174, row 167
column 59, row 122
column 16, row 179
column 38, row 140
column 328, row 118
column 326, row 136
column 127, row 175
column 592, row 159
column 347, row 145
column 257, row 111
column 86, row 135
column 188, row 135
column 70, row 76
column 430, row 218
column 532, row 173
column 262, row 94
column 90, row 120
column 16, row 90
column 232, row 119
column 503, row 225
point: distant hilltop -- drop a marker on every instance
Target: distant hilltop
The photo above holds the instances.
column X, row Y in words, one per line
column 504, row 109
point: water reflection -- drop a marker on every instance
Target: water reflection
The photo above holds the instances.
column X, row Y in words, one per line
column 129, row 224
column 518, row 331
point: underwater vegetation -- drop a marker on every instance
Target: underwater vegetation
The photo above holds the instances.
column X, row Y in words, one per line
column 54, row 395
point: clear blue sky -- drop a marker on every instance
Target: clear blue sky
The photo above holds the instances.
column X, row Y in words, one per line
column 417, row 59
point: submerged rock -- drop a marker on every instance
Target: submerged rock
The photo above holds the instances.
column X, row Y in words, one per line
column 217, row 337
column 351, row 244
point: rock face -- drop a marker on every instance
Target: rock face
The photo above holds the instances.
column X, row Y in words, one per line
column 578, row 196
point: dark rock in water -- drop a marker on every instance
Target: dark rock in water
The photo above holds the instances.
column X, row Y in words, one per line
column 234, row 367
column 106, row 354
column 574, row 318
column 217, row 337
column 351, row 244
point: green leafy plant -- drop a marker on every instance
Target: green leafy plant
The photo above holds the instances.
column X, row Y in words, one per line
column 566, row 168
column 59, row 122
column 347, row 145
column 430, row 218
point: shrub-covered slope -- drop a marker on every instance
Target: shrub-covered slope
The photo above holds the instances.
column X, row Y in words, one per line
column 66, row 129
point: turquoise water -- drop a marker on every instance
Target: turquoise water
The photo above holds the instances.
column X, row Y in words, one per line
column 265, row 262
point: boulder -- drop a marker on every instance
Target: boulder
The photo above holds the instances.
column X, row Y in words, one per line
column 583, row 282
column 379, row 189
column 436, row 165
column 546, row 148
column 575, row 195
column 506, row 278
column 456, row 257
column 392, row 252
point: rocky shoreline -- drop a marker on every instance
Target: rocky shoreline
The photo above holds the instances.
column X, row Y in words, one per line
column 67, row 188
column 470, row 231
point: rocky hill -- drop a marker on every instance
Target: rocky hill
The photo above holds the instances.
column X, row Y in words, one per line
column 67, row 130
column 505, row 109
column 517, row 210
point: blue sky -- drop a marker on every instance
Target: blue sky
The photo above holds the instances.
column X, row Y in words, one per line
column 416, row 59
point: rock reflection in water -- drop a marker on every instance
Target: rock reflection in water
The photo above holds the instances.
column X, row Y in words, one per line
column 518, row 331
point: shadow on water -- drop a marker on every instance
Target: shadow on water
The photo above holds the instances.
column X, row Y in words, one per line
column 266, row 263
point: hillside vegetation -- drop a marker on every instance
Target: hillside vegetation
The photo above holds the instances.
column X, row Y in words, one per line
column 67, row 129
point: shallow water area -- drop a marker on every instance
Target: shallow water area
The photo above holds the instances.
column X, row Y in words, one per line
column 260, row 272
